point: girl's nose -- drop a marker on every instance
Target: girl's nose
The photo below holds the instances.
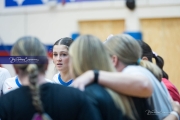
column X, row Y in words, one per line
column 59, row 57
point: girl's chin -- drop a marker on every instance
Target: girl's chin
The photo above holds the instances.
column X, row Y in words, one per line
column 60, row 69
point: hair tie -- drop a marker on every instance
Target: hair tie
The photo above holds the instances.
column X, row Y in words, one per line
column 138, row 61
column 154, row 53
column 37, row 116
column 43, row 116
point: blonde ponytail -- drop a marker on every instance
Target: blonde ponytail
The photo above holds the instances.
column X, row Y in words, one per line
column 154, row 69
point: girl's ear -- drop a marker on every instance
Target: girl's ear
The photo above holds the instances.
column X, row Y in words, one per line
column 115, row 60
column 144, row 58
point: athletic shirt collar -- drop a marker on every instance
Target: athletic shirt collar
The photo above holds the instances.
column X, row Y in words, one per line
column 64, row 83
column 17, row 82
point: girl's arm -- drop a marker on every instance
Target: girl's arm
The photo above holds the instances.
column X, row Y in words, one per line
column 132, row 85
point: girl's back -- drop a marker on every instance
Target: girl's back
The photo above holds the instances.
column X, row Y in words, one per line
column 59, row 102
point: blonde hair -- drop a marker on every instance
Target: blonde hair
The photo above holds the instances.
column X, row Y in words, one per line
column 31, row 46
column 88, row 53
column 129, row 52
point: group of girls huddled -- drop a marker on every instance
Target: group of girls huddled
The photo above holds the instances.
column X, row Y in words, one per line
column 114, row 80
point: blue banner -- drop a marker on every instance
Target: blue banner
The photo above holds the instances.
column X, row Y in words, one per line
column 135, row 35
column 23, row 60
column 16, row 3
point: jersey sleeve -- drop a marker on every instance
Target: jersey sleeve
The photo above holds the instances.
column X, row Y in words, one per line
column 4, row 75
column 6, row 87
column 55, row 78
column 48, row 80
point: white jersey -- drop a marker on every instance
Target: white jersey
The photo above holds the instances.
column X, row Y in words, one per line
column 4, row 74
column 14, row 83
column 160, row 99
column 57, row 79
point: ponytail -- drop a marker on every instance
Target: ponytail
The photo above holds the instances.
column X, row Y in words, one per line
column 160, row 63
column 154, row 69
column 32, row 70
column 159, row 60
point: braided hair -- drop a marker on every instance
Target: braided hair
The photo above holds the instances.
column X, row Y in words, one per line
column 31, row 46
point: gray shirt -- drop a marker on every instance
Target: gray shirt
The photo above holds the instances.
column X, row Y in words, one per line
column 160, row 99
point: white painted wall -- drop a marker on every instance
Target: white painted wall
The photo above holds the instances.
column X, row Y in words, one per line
column 50, row 24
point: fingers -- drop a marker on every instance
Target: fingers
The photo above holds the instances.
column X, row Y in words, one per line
column 78, row 85
column 74, row 85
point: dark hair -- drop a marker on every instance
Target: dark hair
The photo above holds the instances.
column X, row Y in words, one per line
column 160, row 64
column 64, row 41
column 147, row 51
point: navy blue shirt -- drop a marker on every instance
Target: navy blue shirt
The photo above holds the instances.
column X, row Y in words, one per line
column 59, row 102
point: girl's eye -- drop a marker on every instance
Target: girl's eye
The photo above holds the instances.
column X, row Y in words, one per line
column 54, row 54
column 64, row 55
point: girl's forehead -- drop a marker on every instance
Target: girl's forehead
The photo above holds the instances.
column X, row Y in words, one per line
column 59, row 48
